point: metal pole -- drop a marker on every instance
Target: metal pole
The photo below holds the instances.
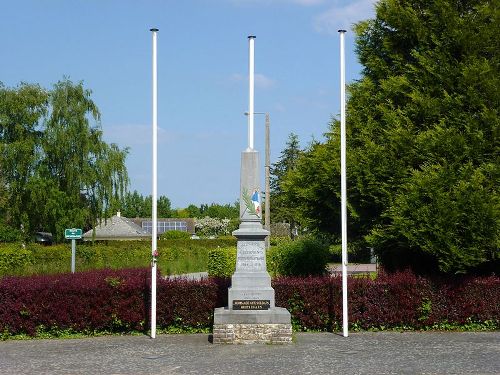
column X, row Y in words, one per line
column 267, row 218
column 251, row 41
column 343, row 186
column 73, row 255
column 154, row 188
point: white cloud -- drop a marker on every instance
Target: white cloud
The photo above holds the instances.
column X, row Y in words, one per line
column 137, row 135
column 261, row 81
column 343, row 16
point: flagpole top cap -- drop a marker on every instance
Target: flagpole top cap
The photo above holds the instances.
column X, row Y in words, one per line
column 154, row 29
column 342, row 31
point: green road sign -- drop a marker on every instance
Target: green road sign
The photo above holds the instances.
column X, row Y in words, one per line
column 73, row 234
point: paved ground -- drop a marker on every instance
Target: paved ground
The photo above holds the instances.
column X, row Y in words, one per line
column 316, row 353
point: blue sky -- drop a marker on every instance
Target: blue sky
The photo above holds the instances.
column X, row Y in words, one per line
column 202, row 76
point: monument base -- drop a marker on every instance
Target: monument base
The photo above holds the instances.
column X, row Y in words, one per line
column 251, row 327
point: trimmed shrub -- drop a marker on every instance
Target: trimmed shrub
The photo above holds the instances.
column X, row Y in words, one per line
column 82, row 302
column 119, row 301
column 400, row 300
column 175, row 235
column 14, row 258
column 102, row 301
column 222, row 261
column 186, row 304
column 175, row 256
column 303, row 257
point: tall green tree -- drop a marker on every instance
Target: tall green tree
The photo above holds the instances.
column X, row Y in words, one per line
column 423, row 138
column 22, row 110
column 57, row 169
column 134, row 204
column 283, row 197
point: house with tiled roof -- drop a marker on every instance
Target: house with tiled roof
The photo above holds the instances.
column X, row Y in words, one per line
column 117, row 228
column 121, row 228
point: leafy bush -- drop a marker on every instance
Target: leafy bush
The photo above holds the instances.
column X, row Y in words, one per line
column 400, row 300
column 119, row 301
column 175, row 235
column 451, row 216
column 279, row 240
column 222, row 261
column 9, row 234
column 14, row 258
column 175, row 256
column 211, row 226
column 356, row 253
column 302, row 257
column 101, row 301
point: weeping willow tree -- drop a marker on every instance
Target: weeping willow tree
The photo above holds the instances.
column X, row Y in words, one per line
column 57, row 172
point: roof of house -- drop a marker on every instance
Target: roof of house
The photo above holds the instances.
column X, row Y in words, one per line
column 117, row 228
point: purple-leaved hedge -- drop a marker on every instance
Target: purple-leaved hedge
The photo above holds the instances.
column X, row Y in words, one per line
column 119, row 301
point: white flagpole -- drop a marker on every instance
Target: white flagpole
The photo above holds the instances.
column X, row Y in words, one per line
column 343, row 186
column 251, row 69
column 154, row 188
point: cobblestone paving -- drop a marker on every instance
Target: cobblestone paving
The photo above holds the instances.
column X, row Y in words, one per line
column 311, row 353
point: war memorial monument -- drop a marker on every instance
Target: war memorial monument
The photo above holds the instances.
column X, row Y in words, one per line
column 251, row 315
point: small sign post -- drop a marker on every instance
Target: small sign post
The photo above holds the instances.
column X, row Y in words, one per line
column 73, row 234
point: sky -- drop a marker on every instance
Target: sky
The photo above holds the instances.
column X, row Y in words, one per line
column 202, row 77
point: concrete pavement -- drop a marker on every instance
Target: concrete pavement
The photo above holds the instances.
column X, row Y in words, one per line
column 311, row 353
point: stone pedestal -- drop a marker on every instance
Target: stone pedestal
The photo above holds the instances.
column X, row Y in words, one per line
column 251, row 315
column 244, row 333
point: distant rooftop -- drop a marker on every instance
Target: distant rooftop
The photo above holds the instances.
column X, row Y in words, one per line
column 117, row 228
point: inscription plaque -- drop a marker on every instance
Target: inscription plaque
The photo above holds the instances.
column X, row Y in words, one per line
column 251, row 256
column 251, row 304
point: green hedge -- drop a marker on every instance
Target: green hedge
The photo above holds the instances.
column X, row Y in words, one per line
column 302, row 257
column 175, row 256
column 175, row 235
column 14, row 257
column 222, row 261
column 118, row 301
column 293, row 258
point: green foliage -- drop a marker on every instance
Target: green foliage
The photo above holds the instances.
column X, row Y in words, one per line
column 136, row 205
column 303, row 257
column 176, row 256
column 220, row 211
column 57, row 172
column 9, row 234
column 175, row 235
column 356, row 253
column 211, row 226
column 436, row 204
column 280, row 195
column 214, row 210
column 277, row 241
column 14, row 258
column 222, row 261
column 423, row 157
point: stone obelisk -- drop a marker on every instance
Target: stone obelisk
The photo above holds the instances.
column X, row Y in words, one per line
column 251, row 315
